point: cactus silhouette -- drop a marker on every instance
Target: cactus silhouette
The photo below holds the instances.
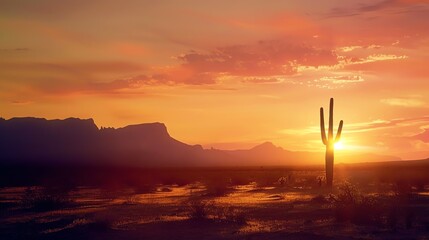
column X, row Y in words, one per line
column 330, row 141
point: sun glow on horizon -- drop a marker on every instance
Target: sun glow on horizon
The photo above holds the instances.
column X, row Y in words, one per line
column 264, row 80
column 339, row 145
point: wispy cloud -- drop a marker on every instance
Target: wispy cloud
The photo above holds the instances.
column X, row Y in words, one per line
column 263, row 80
column 272, row 57
column 19, row 49
column 423, row 136
column 378, row 57
column 333, row 82
column 384, row 5
column 403, row 102
column 363, row 126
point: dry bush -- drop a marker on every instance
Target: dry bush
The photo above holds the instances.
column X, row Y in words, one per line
column 319, row 199
column 144, row 188
column 217, row 188
column 402, row 190
column 131, row 199
column 267, row 180
column 393, row 212
column 228, row 214
column 237, row 180
column 199, row 210
column 45, row 199
column 350, row 205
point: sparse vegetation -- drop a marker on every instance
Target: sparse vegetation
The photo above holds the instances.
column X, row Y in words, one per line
column 200, row 210
column 220, row 204
column 45, row 199
column 216, row 188
column 351, row 205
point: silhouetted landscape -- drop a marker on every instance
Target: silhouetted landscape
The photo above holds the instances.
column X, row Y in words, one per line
column 207, row 120
column 63, row 179
column 75, row 141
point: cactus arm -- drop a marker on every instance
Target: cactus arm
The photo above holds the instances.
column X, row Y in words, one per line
column 340, row 129
column 322, row 127
column 331, row 120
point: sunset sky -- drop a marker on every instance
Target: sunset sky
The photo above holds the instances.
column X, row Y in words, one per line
column 225, row 74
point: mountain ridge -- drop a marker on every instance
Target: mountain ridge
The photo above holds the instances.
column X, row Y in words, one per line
column 74, row 140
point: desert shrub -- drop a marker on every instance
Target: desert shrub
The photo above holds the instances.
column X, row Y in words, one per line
column 352, row 206
column 141, row 188
column 400, row 211
column 131, row 199
column 282, row 181
column 180, row 181
column 45, row 199
column 198, row 210
column 205, row 210
column 240, row 180
column 319, row 199
column 267, row 180
column 402, row 190
column 228, row 214
column 217, row 188
column 165, row 189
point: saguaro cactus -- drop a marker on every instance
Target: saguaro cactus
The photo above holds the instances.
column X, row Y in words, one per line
column 330, row 141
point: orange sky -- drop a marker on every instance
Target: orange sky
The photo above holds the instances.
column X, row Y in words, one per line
column 227, row 74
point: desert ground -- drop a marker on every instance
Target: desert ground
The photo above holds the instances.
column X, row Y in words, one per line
column 261, row 203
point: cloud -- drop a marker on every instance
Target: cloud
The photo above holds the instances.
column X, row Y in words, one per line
column 43, row 7
column 20, row 102
column 260, row 62
column 333, row 82
column 402, row 5
column 364, row 126
column 18, row 49
column 84, row 67
column 423, row 136
column 400, row 21
column 336, row 80
column 378, row 57
column 348, row 48
column 263, row 80
column 303, row 131
column 403, row 102
column 383, row 124
column 65, row 77
column 350, row 62
column 342, row 79
column 264, row 58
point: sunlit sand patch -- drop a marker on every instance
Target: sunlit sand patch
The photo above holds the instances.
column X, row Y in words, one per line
column 52, row 216
column 162, row 219
column 176, row 195
column 76, row 222
column 252, row 195
column 129, row 224
column 258, row 226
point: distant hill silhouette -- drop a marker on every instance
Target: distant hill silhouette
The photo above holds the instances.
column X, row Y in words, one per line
column 76, row 141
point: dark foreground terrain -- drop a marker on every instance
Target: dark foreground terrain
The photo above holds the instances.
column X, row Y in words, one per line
column 367, row 202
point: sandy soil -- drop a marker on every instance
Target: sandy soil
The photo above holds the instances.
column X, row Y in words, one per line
column 245, row 212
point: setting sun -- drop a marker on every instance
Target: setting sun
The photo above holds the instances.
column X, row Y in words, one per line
column 244, row 119
column 339, row 145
